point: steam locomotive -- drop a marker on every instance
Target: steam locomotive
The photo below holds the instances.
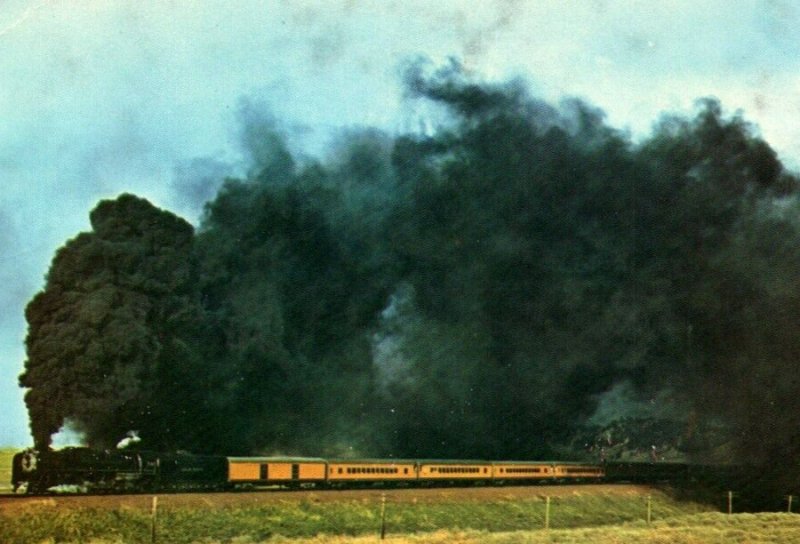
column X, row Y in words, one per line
column 85, row 469
column 119, row 471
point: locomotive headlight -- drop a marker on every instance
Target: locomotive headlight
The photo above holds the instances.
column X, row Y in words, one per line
column 29, row 461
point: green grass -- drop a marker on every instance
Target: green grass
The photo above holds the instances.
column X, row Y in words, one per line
column 296, row 519
column 5, row 469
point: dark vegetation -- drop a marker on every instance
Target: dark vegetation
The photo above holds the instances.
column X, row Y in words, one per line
column 491, row 289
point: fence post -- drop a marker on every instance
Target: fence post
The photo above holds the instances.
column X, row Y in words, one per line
column 547, row 513
column 789, row 509
column 153, row 516
column 730, row 502
column 383, row 516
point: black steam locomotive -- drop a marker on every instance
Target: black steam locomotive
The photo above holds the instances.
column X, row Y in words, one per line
column 86, row 469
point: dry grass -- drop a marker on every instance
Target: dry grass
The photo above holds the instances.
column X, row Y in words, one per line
column 710, row 528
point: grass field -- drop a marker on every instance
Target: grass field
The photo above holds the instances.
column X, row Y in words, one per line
column 574, row 517
column 458, row 526
column 708, row 528
column 5, row 469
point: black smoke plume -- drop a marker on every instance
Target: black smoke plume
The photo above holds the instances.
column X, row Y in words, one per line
column 112, row 339
column 493, row 288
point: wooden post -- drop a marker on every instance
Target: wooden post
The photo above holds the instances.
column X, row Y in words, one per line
column 730, row 502
column 649, row 509
column 383, row 516
column 789, row 509
column 153, row 515
column 547, row 512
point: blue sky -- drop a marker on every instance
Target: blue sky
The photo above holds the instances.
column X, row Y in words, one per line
column 103, row 97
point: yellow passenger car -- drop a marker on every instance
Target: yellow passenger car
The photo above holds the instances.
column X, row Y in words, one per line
column 276, row 470
column 454, row 470
column 370, row 470
column 523, row 470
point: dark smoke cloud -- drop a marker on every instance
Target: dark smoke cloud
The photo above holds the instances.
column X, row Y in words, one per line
column 493, row 289
column 112, row 338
